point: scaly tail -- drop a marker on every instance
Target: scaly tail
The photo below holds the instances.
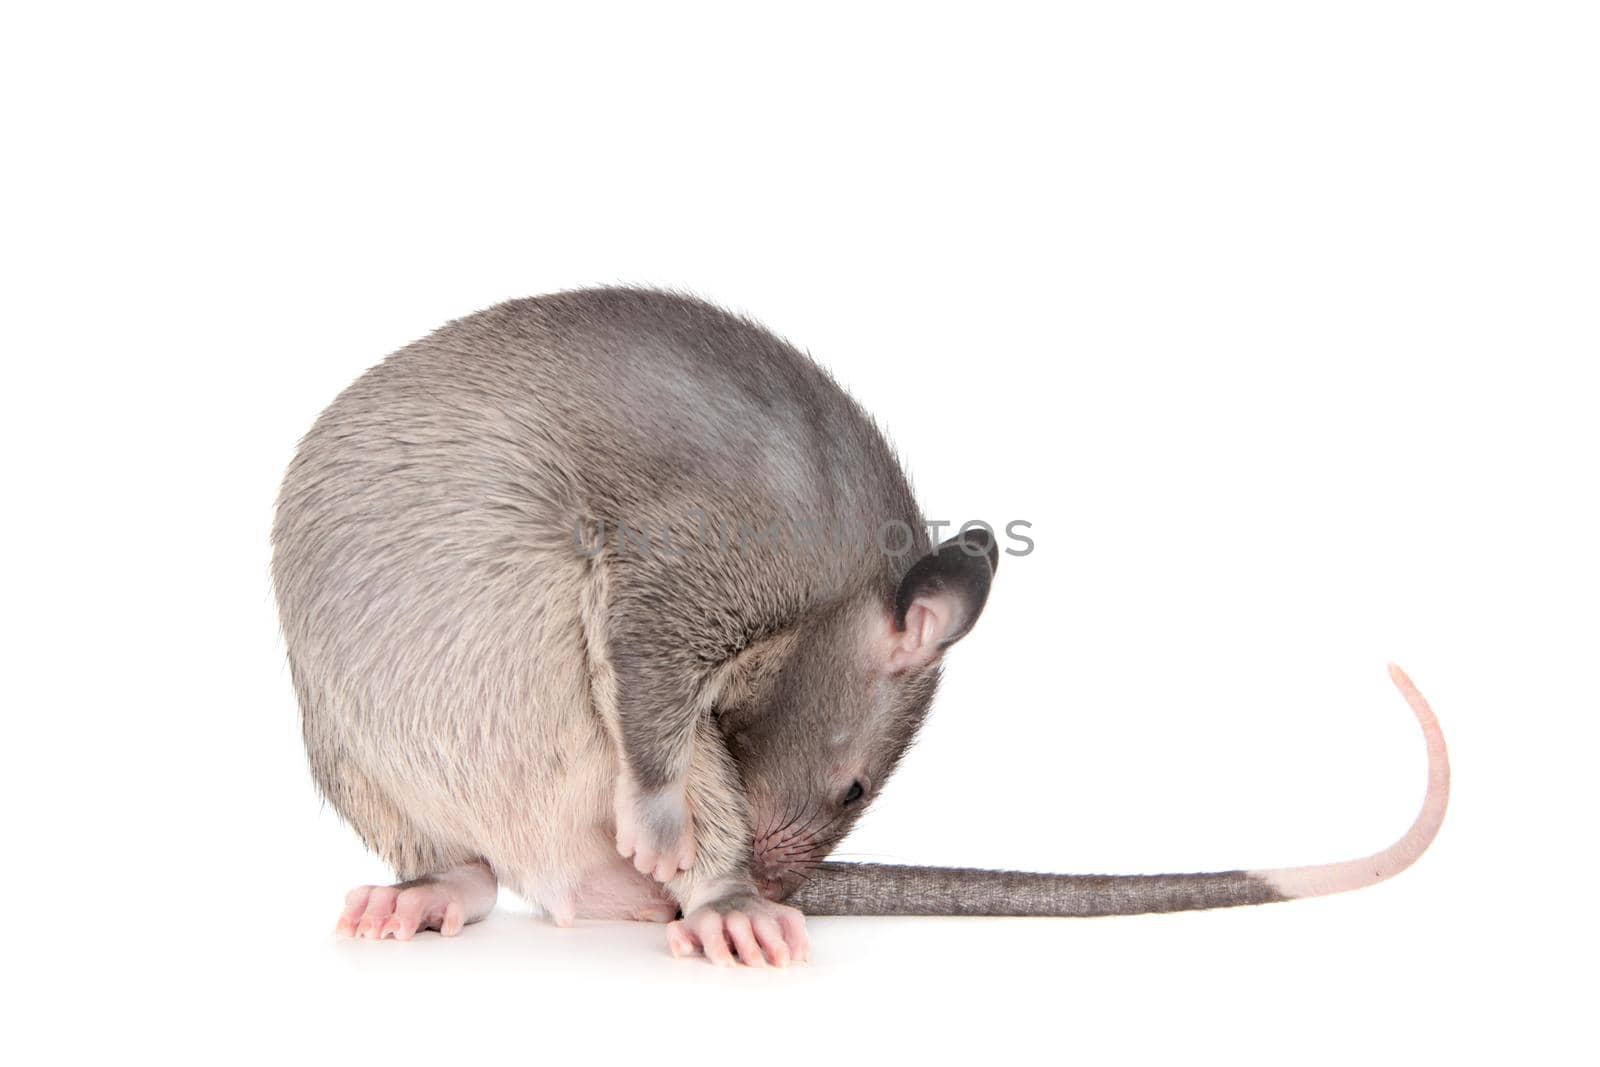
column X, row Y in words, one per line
column 882, row 889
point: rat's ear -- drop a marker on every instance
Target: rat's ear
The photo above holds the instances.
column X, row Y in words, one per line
column 940, row 598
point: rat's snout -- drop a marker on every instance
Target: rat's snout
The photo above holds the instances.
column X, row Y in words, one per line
column 769, row 875
column 778, row 872
column 799, row 831
column 777, row 883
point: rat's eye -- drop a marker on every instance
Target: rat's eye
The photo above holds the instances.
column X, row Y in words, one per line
column 853, row 794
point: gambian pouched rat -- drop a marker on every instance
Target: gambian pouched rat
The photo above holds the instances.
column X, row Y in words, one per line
column 619, row 600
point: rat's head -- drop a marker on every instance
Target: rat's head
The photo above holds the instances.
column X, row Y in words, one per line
column 818, row 716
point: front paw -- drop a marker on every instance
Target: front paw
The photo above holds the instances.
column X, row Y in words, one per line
column 654, row 830
column 744, row 927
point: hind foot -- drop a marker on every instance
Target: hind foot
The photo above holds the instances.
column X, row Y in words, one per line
column 444, row 902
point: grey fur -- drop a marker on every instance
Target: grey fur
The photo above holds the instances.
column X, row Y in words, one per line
column 466, row 676
column 477, row 686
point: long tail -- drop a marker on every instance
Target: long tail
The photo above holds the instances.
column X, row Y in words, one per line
column 883, row 889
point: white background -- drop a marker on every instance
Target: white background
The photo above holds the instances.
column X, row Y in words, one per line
column 1278, row 322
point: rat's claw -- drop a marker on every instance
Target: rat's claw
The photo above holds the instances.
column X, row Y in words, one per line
column 793, row 923
column 680, row 941
column 654, row 833
column 744, row 928
column 770, row 934
column 710, row 930
column 743, row 938
column 670, row 863
column 380, row 905
column 661, row 864
column 355, row 906
column 445, row 902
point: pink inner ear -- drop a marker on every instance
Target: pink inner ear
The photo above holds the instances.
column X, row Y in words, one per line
column 928, row 620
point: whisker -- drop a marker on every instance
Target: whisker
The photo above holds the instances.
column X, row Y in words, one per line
column 813, row 811
column 770, row 833
column 807, row 843
column 792, row 848
column 810, row 827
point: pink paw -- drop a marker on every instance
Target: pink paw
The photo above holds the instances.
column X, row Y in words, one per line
column 655, row 833
column 745, row 929
column 374, row 912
